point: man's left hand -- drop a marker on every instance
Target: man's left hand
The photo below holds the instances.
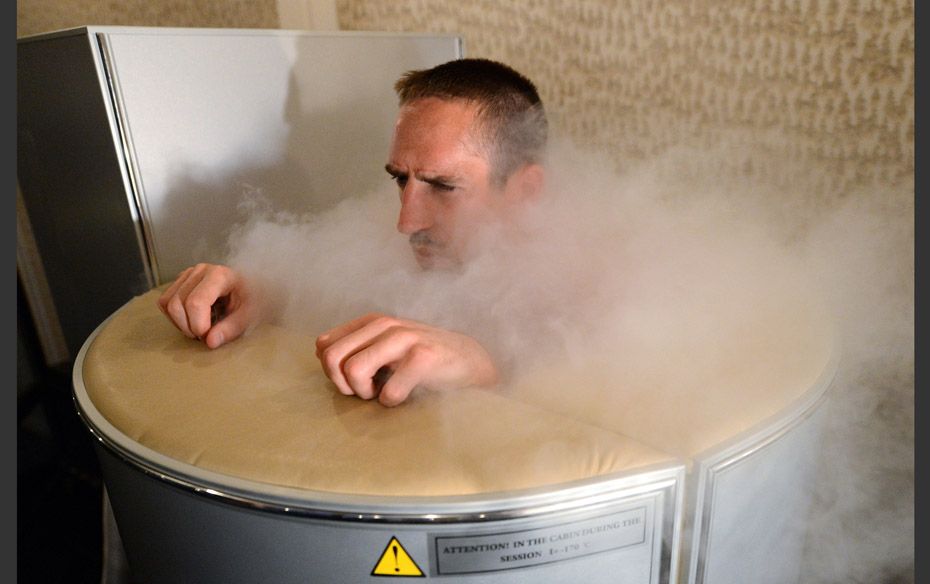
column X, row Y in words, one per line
column 386, row 357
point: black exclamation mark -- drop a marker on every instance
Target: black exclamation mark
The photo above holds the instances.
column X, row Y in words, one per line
column 396, row 565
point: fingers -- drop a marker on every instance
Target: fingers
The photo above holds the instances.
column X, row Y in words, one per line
column 172, row 289
column 174, row 305
column 369, row 369
column 384, row 357
column 229, row 328
column 406, row 376
column 388, row 365
column 214, row 283
column 329, row 337
column 351, row 354
column 188, row 303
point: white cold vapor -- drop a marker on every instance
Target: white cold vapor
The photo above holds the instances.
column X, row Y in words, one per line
column 597, row 261
column 656, row 274
column 863, row 526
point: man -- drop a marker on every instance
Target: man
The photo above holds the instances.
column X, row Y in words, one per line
column 466, row 152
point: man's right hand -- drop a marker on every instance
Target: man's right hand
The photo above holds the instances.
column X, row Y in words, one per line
column 189, row 303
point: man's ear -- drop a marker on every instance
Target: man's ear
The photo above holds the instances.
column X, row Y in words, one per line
column 526, row 184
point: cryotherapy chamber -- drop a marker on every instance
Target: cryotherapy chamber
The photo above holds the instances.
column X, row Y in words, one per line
column 244, row 465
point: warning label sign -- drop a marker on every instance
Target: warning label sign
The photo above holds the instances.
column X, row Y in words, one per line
column 395, row 561
column 470, row 554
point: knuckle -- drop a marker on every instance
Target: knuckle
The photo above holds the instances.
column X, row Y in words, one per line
column 385, row 321
column 200, row 298
column 421, row 354
column 404, row 335
column 329, row 359
column 193, row 302
column 174, row 305
column 354, row 370
column 217, row 269
column 408, row 334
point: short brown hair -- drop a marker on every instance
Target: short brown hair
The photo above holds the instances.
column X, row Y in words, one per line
column 512, row 120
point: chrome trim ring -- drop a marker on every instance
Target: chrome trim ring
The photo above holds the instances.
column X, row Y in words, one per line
column 366, row 508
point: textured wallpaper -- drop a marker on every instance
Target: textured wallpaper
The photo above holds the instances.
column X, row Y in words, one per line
column 36, row 16
column 822, row 81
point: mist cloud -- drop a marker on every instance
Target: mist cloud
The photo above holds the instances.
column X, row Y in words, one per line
column 678, row 255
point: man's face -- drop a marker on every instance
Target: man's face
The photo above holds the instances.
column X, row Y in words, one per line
column 444, row 178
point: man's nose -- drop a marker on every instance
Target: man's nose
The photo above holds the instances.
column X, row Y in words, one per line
column 414, row 211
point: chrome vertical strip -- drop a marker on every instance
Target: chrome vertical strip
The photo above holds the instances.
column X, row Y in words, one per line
column 672, row 515
column 136, row 196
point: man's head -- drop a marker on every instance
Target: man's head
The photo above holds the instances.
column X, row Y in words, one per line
column 510, row 119
column 467, row 146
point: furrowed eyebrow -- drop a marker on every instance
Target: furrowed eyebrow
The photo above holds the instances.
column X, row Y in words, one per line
column 393, row 170
column 436, row 180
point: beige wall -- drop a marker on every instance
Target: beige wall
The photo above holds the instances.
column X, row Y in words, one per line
column 826, row 83
column 822, row 81
column 36, row 16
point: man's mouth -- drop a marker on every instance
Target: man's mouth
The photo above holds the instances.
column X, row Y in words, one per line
column 427, row 250
column 423, row 244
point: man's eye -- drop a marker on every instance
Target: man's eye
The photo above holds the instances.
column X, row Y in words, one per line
column 443, row 187
column 400, row 180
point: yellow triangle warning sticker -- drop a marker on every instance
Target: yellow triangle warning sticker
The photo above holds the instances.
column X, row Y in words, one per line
column 395, row 561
